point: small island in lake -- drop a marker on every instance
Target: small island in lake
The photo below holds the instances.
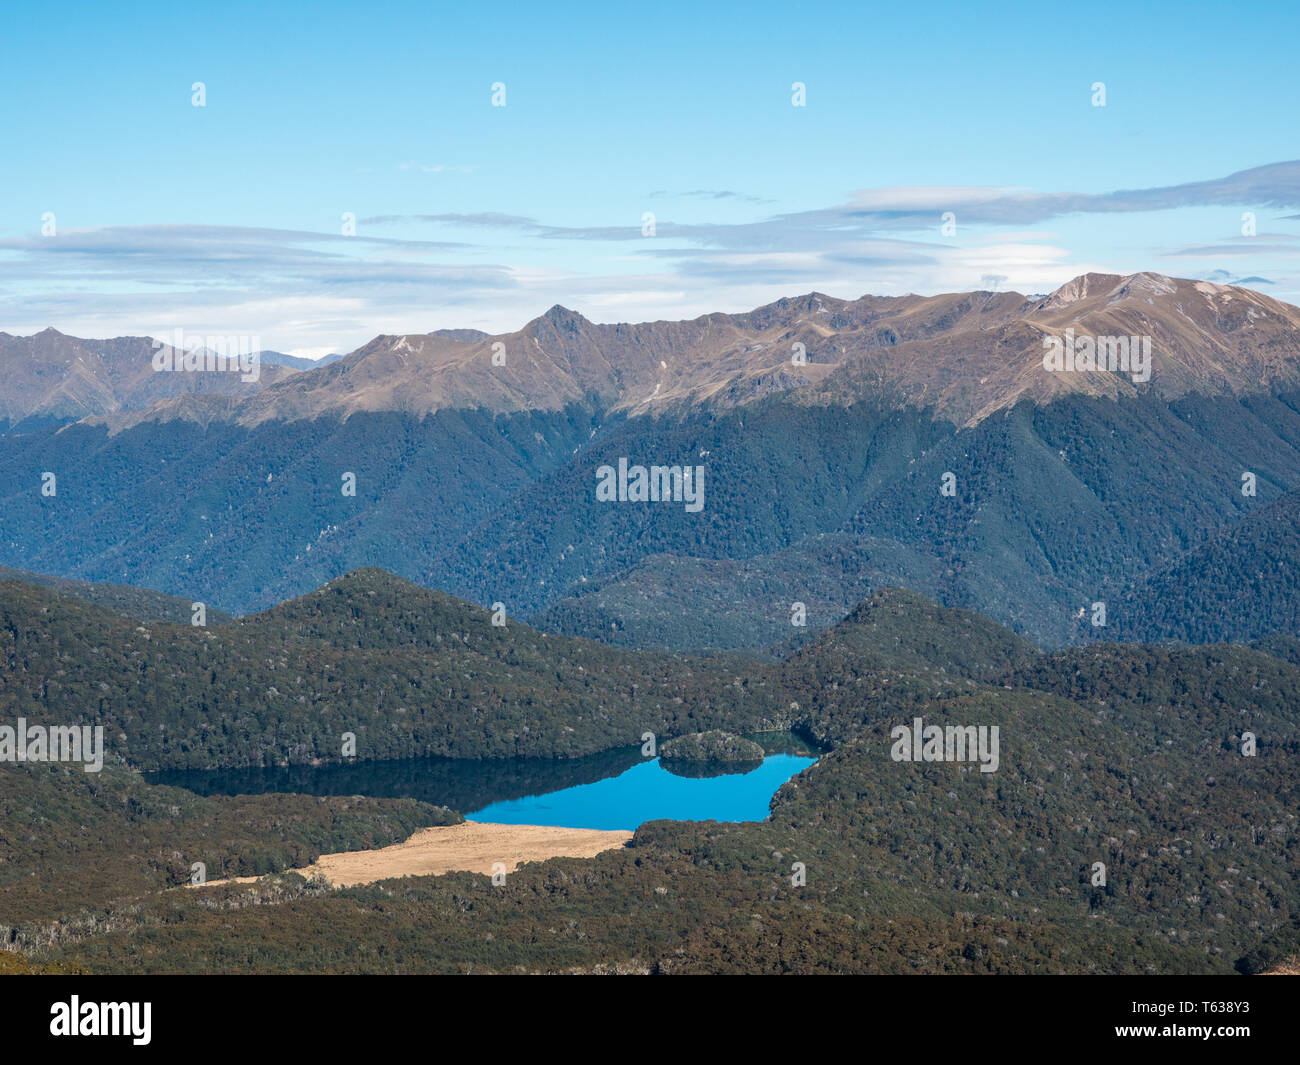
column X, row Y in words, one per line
column 713, row 746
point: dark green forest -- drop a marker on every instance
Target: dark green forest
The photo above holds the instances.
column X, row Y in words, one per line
column 1125, row 755
column 810, row 498
column 406, row 671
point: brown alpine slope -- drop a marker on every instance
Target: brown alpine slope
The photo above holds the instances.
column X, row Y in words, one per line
column 50, row 375
column 967, row 355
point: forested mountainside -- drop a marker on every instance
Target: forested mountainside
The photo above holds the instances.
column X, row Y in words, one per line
column 407, row 672
column 139, row 603
column 1054, row 509
column 1130, row 756
column 920, row 443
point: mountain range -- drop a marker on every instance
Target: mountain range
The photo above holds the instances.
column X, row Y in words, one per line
column 846, row 445
column 965, row 355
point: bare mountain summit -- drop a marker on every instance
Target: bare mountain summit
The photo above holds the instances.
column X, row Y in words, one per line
column 966, row 355
column 51, row 377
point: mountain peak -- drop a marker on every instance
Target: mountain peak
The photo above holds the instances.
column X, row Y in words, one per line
column 373, row 607
column 1078, row 288
column 463, row 336
column 560, row 313
column 966, row 355
column 1145, row 283
column 897, row 628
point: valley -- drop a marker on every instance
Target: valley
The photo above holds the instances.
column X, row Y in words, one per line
column 819, row 491
column 1124, row 755
column 444, row 690
column 710, row 492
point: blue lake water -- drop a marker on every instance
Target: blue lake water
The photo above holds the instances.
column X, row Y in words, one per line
column 613, row 789
column 648, row 792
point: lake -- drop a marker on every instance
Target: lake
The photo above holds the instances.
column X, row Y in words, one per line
column 649, row 792
column 615, row 789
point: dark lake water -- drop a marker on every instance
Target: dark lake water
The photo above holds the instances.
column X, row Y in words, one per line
column 615, row 789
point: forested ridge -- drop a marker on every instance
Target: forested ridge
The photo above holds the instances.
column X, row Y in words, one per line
column 1125, row 755
column 810, row 498
column 406, row 671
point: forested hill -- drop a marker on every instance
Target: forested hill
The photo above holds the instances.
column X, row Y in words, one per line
column 140, row 603
column 412, row 672
column 366, row 656
column 901, row 630
column 1129, row 756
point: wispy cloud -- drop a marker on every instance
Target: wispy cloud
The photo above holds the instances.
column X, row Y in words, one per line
column 492, row 270
column 203, row 242
column 485, row 220
column 708, row 194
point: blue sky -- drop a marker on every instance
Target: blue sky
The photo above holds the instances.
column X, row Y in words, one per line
column 227, row 218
